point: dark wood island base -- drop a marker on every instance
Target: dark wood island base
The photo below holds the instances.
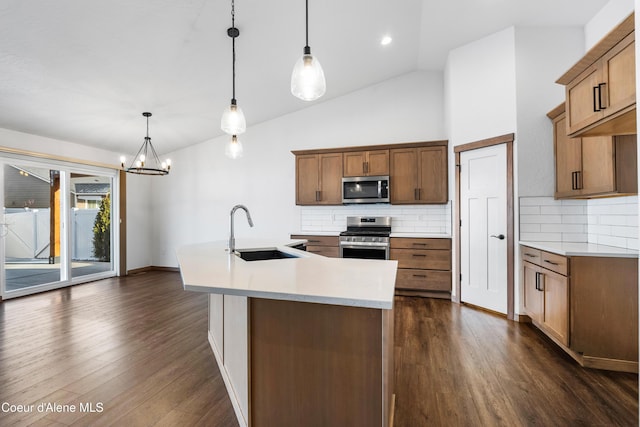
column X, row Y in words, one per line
column 319, row 365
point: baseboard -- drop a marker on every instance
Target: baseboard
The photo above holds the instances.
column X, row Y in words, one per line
column 424, row 294
column 522, row 318
column 610, row 364
column 148, row 268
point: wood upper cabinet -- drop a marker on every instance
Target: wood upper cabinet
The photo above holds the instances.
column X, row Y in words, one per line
column 418, row 175
column 593, row 166
column 319, row 179
column 600, row 88
column 366, row 163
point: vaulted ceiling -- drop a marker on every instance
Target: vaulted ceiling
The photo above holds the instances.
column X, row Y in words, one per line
column 85, row 70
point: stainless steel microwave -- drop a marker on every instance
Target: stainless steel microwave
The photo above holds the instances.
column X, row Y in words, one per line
column 365, row 189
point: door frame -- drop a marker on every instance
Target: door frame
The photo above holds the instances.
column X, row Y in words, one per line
column 483, row 143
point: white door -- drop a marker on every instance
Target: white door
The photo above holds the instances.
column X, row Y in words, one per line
column 483, row 216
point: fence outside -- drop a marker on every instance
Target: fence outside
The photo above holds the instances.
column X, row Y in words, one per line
column 28, row 233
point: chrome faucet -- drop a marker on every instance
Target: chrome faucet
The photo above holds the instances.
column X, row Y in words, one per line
column 232, row 239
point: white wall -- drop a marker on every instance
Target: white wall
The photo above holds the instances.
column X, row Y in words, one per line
column 480, row 89
column 192, row 204
column 608, row 17
column 542, row 55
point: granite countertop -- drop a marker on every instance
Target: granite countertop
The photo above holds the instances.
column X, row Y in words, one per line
column 209, row 267
column 582, row 249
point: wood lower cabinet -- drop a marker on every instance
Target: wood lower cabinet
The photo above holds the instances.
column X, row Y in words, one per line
column 593, row 166
column 424, row 266
column 546, row 293
column 418, row 175
column 328, row 246
column 319, row 179
column 587, row 305
column 366, row 163
column 601, row 87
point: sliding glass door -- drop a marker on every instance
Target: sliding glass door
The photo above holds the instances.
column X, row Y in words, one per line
column 90, row 224
column 56, row 228
column 31, row 228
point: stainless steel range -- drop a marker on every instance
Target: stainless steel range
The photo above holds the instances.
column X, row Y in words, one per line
column 366, row 237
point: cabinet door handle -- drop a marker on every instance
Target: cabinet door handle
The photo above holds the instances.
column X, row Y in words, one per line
column 573, row 181
column 537, row 281
column 541, row 282
column 415, row 194
column 596, row 90
column 601, row 86
column 578, row 180
column 318, row 196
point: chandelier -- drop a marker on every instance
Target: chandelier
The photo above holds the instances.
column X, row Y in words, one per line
column 146, row 161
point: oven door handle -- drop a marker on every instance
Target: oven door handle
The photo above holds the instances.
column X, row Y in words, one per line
column 380, row 246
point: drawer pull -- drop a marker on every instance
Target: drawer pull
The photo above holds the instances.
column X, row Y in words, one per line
column 313, row 241
column 419, row 244
column 418, row 255
column 420, row 275
column 551, row 262
column 531, row 255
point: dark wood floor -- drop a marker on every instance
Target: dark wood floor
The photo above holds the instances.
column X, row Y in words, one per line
column 138, row 346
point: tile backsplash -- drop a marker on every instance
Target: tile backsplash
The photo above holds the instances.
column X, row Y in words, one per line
column 411, row 218
column 609, row 221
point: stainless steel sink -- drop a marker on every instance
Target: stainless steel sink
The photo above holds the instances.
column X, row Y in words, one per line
column 263, row 254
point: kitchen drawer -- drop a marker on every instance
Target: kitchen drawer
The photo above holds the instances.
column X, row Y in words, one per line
column 429, row 259
column 423, row 280
column 554, row 262
column 412, row 243
column 317, row 240
column 531, row 255
column 328, row 251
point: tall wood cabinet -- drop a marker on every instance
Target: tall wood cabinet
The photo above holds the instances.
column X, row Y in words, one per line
column 592, row 166
column 601, row 89
column 366, row 163
column 319, row 179
column 418, row 175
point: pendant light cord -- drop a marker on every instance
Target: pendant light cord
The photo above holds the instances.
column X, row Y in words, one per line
column 306, row 10
column 233, row 47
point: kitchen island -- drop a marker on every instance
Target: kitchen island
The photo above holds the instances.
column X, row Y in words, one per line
column 300, row 340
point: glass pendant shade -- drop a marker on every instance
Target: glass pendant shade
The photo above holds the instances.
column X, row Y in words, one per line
column 234, row 149
column 233, row 121
column 307, row 79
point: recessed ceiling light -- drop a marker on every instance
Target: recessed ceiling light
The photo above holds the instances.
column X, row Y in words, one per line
column 385, row 40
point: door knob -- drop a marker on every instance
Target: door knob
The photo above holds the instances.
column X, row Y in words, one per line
column 499, row 236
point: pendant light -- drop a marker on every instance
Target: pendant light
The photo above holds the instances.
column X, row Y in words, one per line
column 233, row 121
column 146, row 161
column 234, row 149
column 307, row 79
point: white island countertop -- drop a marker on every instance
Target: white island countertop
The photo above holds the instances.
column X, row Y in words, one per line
column 582, row 249
column 209, row 267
